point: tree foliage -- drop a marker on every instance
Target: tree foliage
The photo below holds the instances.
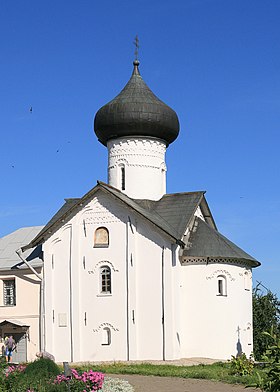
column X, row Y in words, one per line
column 266, row 315
column 269, row 380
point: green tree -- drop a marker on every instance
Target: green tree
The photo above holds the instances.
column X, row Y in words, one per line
column 269, row 379
column 266, row 315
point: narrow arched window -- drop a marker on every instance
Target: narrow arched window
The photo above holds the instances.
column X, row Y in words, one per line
column 106, row 336
column 122, row 178
column 222, row 285
column 247, row 281
column 101, row 238
column 106, row 280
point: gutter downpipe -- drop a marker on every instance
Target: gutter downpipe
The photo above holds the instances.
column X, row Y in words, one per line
column 42, row 299
column 71, row 296
column 162, row 303
column 127, row 297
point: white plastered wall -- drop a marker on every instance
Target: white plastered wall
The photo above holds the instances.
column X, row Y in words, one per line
column 73, row 286
column 154, row 295
column 133, row 311
column 213, row 325
column 143, row 161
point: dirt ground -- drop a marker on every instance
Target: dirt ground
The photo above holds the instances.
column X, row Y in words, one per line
column 175, row 384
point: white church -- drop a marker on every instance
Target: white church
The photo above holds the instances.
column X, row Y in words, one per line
column 128, row 272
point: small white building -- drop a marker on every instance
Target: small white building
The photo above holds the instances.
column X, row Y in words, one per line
column 133, row 273
column 20, row 293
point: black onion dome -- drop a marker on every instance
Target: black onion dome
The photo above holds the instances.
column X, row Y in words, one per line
column 136, row 111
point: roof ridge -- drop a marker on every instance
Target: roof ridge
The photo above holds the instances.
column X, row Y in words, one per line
column 171, row 231
column 183, row 193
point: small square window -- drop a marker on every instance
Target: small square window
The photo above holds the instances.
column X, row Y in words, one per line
column 9, row 292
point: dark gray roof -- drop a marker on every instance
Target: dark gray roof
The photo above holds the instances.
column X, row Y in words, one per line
column 171, row 214
column 136, row 111
column 206, row 242
column 12, row 242
column 177, row 209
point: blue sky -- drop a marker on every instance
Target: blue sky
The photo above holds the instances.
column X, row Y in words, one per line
column 215, row 62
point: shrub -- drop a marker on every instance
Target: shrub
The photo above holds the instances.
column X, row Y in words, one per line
column 241, row 365
column 33, row 377
column 42, row 368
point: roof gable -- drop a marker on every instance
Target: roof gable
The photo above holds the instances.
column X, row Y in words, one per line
column 176, row 209
column 171, row 214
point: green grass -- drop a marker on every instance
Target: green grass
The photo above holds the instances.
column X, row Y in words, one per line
column 40, row 371
column 216, row 372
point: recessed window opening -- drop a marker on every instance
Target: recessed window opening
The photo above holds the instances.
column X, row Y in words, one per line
column 106, row 281
column 222, row 289
column 123, row 178
column 106, row 336
column 9, row 292
column 101, row 238
column 247, row 281
column 249, row 334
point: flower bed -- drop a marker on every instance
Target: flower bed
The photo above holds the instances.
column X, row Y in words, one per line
column 88, row 381
column 43, row 375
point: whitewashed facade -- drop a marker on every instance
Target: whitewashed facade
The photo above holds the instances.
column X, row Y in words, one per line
column 160, row 307
column 143, row 160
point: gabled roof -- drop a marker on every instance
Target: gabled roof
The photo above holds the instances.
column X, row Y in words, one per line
column 152, row 216
column 13, row 322
column 170, row 214
column 205, row 242
column 11, row 242
column 177, row 209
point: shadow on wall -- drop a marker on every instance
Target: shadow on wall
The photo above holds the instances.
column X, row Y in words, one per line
column 238, row 344
column 238, row 348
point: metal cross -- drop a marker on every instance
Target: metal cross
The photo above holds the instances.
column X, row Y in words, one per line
column 136, row 43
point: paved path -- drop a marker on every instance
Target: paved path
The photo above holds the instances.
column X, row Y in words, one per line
column 176, row 384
